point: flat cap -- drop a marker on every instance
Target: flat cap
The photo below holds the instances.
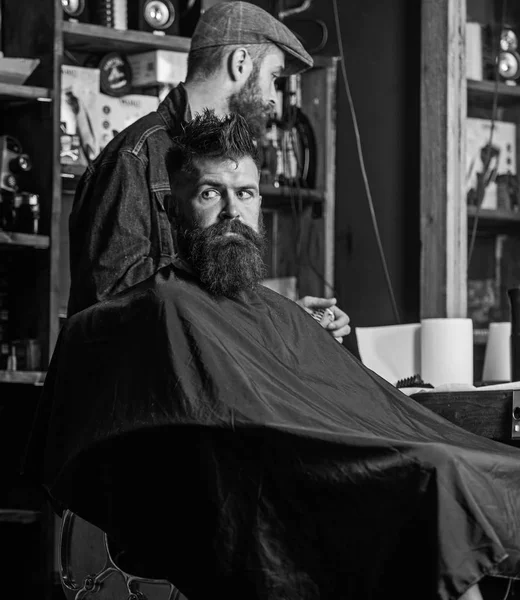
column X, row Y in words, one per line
column 230, row 23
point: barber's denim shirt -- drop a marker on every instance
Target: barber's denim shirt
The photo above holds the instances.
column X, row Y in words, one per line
column 121, row 222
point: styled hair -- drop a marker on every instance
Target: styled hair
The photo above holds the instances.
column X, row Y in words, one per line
column 210, row 136
column 204, row 62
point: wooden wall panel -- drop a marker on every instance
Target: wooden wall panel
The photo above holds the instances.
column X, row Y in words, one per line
column 443, row 202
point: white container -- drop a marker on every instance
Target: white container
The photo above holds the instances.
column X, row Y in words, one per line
column 447, row 351
column 497, row 358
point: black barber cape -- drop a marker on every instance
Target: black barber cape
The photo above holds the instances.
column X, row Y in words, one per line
column 239, row 450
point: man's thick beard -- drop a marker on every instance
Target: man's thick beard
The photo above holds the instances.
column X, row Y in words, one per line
column 226, row 265
column 248, row 103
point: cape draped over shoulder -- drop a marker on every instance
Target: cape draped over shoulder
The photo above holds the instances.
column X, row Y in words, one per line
column 240, row 448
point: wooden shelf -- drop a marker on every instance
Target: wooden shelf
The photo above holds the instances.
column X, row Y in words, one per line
column 27, row 240
column 497, row 217
column 484, row 91
column 10, row 92
column 287, row 196
column 26, row 377
column 83, row 37
column 23, row 517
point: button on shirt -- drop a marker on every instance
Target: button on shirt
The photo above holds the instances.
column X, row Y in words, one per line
column 121, row 225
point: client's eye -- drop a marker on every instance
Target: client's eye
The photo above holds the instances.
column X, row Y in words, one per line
column 245, row 194
column 210, row 194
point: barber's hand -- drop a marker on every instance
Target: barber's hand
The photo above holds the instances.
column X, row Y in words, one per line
column 337, row 328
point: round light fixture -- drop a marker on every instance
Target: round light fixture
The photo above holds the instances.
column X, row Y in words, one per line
column 73, row 8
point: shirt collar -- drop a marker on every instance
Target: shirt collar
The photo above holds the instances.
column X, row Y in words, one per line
column 175, row 107
column 181, row 264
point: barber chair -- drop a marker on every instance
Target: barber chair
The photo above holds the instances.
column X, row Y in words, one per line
column 88, row 570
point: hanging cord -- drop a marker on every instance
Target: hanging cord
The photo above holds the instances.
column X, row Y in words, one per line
column 481, row 189
column 508, row 589
column 305, row 5
column 362, row 163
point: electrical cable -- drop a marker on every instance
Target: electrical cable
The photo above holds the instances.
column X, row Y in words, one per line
column 508, row 589
column 324, row 33
column 190, row 5
column 305, row 5
column 362, row 162
column 324, row 36
column 290, row 16
column 482, row 188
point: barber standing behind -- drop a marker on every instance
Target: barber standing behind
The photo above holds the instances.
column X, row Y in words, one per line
column 122, row 221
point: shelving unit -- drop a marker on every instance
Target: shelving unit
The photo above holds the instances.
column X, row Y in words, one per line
column 450, row 283
column 83, row 37
column 448, row 98
column 492, row 270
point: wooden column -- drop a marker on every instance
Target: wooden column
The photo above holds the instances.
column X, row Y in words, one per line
column 443, row 202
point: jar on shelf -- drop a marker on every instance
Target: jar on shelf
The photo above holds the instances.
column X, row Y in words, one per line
column 27, row 213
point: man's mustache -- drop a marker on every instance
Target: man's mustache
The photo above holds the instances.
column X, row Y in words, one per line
column 231, row 226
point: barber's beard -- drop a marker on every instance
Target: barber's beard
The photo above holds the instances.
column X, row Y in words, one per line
column 249, row 104
column 226, row 265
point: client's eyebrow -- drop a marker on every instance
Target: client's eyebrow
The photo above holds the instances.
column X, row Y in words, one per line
column 209, row 181
column 240, row 185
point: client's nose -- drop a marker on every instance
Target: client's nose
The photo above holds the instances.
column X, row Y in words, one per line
column 230, row 210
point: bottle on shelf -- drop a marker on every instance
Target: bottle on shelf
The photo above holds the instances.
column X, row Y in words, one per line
column 12, row 359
